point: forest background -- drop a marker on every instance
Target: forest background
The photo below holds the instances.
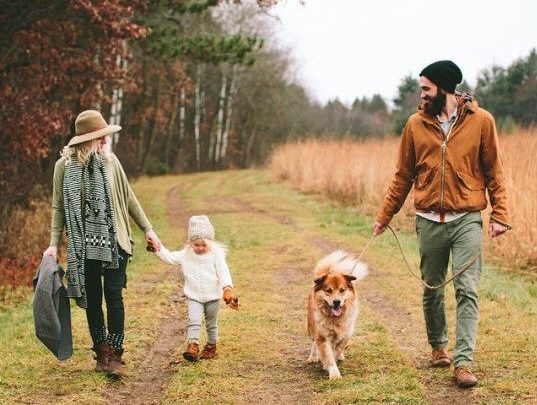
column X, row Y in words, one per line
column 197, row 85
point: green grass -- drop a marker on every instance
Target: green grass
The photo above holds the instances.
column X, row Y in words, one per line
column 29, row 373
column 263, row 347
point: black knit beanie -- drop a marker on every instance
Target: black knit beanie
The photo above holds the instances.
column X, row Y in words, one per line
column 444, row 73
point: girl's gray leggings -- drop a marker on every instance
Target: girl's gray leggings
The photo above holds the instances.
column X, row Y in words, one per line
column 196, row 312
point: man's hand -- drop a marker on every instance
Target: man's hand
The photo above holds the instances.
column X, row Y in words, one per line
column 51, row 251
column 230, row 298
column 152, row 241
column 496, row 229
column 378, row 229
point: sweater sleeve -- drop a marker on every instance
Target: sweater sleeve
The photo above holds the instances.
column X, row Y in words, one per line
column 58, row 213
column 222, row 269
column 491, row 162
column 173, row 258
column 135, row 209
column 403, row 179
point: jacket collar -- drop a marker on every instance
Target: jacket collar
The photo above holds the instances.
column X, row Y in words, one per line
column 467, row 103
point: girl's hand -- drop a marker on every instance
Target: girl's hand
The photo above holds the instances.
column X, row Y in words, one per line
column 230, row 298
column 152, row 240
column 51, row 251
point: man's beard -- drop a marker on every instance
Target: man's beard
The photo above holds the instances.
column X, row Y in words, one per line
column 434, row 105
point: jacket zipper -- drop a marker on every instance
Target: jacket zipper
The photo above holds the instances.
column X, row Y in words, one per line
column 445, row 139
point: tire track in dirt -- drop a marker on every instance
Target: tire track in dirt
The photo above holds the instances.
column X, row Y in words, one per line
column 291, row 391
column 154, row 372
column 437, row 389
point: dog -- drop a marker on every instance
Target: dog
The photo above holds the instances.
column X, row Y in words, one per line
column 332, row 308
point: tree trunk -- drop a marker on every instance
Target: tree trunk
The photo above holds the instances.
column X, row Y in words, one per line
column 182, row 115
column 197, row 115
column 220, row 119
column 153, row 130
column 248, row 148
column 166, row 152
column 232, row 91
column 143, row 121
column 117, row 104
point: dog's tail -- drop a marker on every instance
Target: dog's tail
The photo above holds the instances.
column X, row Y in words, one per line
column 341, row 262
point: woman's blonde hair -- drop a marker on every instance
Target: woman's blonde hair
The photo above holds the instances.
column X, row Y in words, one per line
column 83, row 152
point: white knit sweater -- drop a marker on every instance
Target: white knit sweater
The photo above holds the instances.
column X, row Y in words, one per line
column 205, row 275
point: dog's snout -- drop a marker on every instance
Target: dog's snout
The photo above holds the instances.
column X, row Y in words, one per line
column 337, row 303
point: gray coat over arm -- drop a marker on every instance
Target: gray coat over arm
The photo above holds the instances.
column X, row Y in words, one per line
column 52, row 313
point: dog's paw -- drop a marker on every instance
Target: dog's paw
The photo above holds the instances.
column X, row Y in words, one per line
column 341, row 356
column 313, row 359
column 333, row 373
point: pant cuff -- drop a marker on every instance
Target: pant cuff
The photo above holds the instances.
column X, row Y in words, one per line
column 463, row 363
column 98, row 335
column 115, row 340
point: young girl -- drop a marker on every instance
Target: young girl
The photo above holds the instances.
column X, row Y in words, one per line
column 206, row 279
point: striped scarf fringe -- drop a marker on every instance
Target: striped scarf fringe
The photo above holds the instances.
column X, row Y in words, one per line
column 94, row 236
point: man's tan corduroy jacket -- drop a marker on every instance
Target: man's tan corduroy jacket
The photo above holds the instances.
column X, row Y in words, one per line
column 450, row 173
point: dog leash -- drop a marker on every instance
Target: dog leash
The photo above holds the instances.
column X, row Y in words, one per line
column 430, row 287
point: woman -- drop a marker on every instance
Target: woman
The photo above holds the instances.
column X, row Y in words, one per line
column 92, row 200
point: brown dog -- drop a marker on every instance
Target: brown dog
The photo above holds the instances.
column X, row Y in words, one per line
column 332, row 308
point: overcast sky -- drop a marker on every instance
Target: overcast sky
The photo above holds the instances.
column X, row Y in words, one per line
column 355, row 48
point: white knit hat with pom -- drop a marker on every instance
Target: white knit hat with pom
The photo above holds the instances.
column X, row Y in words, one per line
column 199, row 227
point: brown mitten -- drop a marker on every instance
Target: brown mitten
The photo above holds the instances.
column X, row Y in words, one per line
column 230, row 299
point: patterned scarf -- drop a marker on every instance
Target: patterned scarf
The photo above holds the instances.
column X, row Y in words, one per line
column 94, row 235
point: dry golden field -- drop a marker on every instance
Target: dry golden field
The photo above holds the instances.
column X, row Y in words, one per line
column 359, row 172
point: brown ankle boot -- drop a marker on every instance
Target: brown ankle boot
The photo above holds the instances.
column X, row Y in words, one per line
column 440, row 358
column 115, row 364
column 209, row 351
column 464, row 377
column 192, row 352
column 101, row 355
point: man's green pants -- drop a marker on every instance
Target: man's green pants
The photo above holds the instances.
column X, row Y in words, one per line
column 462, row 238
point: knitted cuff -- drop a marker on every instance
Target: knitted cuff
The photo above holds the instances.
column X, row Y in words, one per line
column 115, row 340
column 98, row 335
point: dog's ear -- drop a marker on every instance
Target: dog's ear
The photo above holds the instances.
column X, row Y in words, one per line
column 319, row 282
column 349, row 279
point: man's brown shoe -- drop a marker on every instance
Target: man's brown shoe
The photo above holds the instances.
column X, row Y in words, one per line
column 192, row 352
column 464, row 377
column 209, row 351
column 440, row 358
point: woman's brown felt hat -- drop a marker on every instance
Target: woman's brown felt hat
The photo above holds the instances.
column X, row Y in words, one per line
column 89, row 125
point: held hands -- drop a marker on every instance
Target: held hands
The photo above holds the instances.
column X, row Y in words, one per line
column 51, row 251
column 153, row 242
column 230, row 298
column 496, row 229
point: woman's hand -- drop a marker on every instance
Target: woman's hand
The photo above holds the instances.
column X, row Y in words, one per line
column 51, row 251
column 152, row 241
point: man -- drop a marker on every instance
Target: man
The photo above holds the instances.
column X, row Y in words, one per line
column 92, row 200
column 450, row 152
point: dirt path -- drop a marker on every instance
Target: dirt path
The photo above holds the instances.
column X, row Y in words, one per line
column 438, row 388
column 157, row 367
